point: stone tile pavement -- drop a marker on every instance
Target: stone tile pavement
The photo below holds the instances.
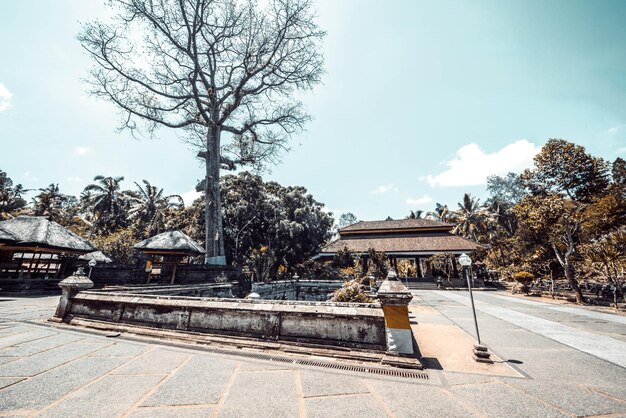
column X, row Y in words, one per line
column 56, row 372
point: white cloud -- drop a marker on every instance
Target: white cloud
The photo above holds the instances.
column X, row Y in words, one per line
column 74, row 179
column 5, row 98
column 614, row 129
column 81, row 150
column 472, row 166
column 384, row 189
column 419, row 200
column 190, row 196
column 621, row 150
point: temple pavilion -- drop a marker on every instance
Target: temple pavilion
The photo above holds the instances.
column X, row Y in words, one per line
column 36, row 253
column 412, row 239
column 165, row 252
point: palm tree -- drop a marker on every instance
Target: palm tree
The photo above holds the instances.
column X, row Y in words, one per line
column 49, row 202
column 107, row 202
column 441, row 213
column 470, row 218
column 415, row 215
column 148, row 207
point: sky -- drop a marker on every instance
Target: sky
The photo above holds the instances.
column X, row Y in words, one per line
column 420, row 102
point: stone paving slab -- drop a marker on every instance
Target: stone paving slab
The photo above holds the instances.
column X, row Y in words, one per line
column 39, row 363
column 108, row 397
column 492, row 400
column 209, row 376
column 154, row 362
column 121, row 350
column 8, row 381
column 571, row 398
column 37, row 346
column 345, row 406
column 187, row 412
column 317, row 383
column 24, row 337
column 37, row 392
column 270, row 394
column 407, row 399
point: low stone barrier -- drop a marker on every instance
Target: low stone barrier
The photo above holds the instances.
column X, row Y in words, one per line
column 310, row 290
column 350, row 325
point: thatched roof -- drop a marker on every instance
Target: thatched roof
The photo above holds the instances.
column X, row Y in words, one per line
column 37, row 232
column 6, row 236
column 96, row 255
column 410, row 244
column 173, row 242
column 399, row 225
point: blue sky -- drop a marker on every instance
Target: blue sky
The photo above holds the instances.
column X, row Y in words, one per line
column 420, row 101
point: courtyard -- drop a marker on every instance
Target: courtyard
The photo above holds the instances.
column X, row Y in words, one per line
column 551, row 360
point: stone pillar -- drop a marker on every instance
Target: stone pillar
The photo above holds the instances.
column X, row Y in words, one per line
column 455, row 269
column 364, row 265
column 418, row 267
column 70, row 288
column 394, row 298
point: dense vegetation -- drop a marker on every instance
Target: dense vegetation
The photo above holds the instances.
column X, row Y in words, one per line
column 268, row 228
column 564, row 217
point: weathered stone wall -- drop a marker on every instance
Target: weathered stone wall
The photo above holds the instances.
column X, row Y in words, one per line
column 338, row 324
column 308, row 290
column 217, row 290
column 104, row 275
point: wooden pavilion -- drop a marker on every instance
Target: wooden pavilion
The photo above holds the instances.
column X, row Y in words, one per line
column 413, row 239
column 36, row 252
column 165, row 251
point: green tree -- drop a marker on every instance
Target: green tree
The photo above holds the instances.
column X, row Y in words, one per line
column 415, row 215
column 508, row 189
column 148, row 208
column 564, row 167
column 108, row 204
column 347, row 219
column 607, row 256
column 50, row 202
column 441, row 213
column 553, row 219
column 470, row 218
column 10, row 195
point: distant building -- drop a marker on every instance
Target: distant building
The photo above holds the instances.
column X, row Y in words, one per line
column 413, row 239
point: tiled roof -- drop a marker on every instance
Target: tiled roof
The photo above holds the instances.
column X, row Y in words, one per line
column 399, row 224
column 443, row 242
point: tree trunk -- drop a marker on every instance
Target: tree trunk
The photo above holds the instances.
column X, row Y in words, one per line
column 563, row 260
column 569, row 274
column 213, row 231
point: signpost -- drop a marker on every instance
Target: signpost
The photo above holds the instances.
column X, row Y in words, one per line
column 481, row 353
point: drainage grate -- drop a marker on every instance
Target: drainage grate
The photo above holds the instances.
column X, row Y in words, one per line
column 409, row 374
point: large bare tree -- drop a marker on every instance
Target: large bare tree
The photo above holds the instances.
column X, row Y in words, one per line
column 223, row 71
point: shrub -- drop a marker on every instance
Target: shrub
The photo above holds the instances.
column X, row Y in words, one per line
column 524, row 278
column 351, row 292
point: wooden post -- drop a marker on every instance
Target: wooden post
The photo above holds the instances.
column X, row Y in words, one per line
column 454, row 267
column 364, row 265
column 174, row 272
column 418, row 267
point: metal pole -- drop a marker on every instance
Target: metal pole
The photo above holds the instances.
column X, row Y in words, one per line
column 469, row 287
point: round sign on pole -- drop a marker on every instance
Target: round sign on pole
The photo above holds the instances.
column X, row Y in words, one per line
column 465, row 260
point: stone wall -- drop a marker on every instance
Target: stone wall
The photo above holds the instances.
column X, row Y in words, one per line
column 105, row 275
column 308, row 290
column 337, row 324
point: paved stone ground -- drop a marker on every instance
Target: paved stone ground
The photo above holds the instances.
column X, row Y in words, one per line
column 559, row 368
